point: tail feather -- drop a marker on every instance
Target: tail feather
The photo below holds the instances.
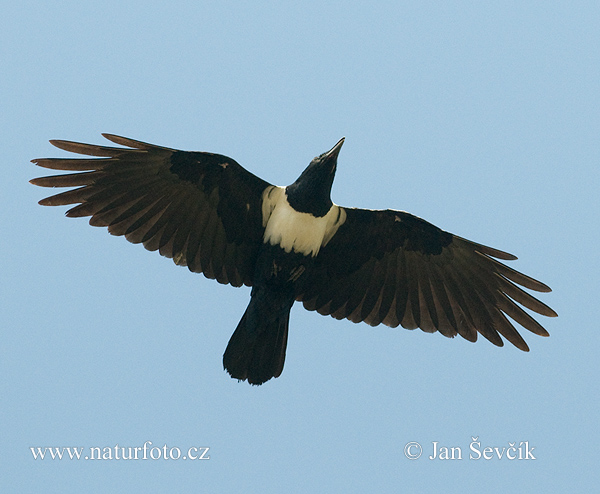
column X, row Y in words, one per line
column 257, row 353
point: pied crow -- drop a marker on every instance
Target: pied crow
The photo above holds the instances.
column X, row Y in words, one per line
column 292, row 243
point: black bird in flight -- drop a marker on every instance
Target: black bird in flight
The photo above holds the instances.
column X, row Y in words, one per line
column 289, row 244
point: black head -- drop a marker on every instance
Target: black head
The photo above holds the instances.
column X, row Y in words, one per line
column 311, row 192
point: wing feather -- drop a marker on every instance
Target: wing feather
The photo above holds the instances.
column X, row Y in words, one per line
column 202, row 210
column 394, row 268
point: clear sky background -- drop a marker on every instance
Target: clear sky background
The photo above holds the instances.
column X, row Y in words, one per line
column 481, row 117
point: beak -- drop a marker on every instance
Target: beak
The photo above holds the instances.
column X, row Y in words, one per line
column 335, row 150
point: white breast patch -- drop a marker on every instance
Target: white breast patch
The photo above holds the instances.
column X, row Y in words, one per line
column 301, row 232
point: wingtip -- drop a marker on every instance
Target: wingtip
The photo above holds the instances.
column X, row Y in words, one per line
column 500, row 254
column 544, row 288
column 114, row 138
column 64, row 145
column 133, row 143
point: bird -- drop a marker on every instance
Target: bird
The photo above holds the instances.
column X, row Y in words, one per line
column 293, row 244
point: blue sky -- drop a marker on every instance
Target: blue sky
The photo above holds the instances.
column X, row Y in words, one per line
column 481, row 117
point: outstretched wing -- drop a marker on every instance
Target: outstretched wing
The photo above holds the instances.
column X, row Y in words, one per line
column 394, row 268
column 203, row 210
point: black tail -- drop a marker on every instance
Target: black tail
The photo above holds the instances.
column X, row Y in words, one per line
column 256, row 350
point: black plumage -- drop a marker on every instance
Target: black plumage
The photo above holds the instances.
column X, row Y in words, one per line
column 208, row 213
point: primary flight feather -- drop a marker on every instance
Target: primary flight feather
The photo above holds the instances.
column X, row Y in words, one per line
column 289, row 244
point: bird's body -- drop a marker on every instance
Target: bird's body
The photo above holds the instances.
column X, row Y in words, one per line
column 296, row 231
column 293, row 244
